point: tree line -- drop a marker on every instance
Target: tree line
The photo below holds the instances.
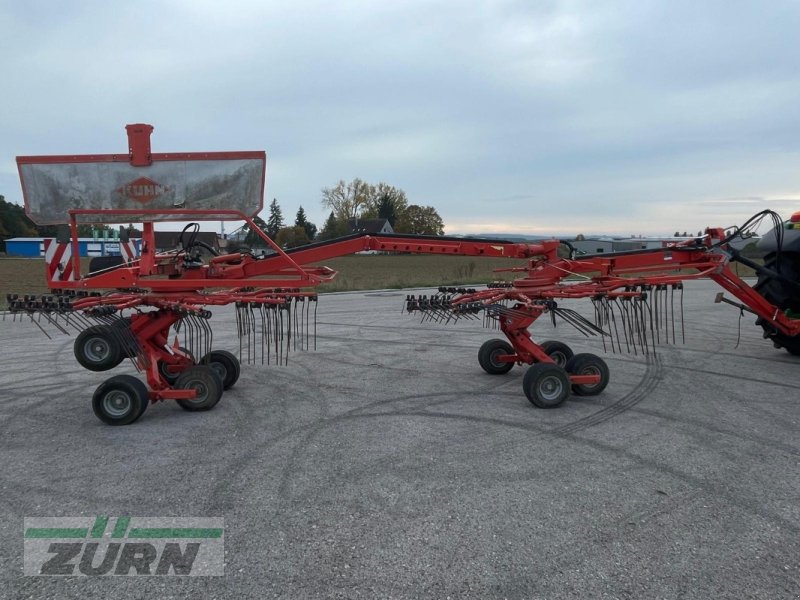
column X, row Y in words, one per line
column 359, row 199
column 348, row 201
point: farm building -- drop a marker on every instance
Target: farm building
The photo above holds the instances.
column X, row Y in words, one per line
column 34, row 247
column 600, row 245
column 369, row 226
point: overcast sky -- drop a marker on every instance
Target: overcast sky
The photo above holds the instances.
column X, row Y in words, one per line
column 637, row 117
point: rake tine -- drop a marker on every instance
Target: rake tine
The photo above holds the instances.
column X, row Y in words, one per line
column 598, row 319
column 239, row 326
column 624, row 324
column 652, row 333
column 683, row 329
column 55, row 323
column 35, row 322
column 209, row 331
column 287, row 333
column 279, row 335
column 672, row 310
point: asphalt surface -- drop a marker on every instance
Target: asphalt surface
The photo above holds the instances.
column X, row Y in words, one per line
column 387, row 464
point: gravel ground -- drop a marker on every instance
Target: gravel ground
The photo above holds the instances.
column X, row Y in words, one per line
column 387, row 464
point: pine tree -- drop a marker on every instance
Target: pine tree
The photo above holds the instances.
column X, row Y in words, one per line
column 301, row 221
column 333, row 228
column 275, row 220
column 386, row 210
column 252, row 238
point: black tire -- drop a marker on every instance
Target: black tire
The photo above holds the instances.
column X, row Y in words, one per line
column 546, row 385
column 225, row 364
column 489, row 351
column 207, row 383
column 558, row 351
column 169, row 376
column 120, row 400
column 98, row 349
column 588, row 364
column 782, row 296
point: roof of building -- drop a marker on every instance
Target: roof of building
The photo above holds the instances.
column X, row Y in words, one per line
column 367, row 225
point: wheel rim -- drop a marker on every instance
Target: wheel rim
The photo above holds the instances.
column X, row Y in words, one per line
column 493, row 358
column 591, row 370
column 220, row 370
column 201, row 389
column 551, row 388
column 97, row 349
column 165, row 371
column 559, row 357
column 117, row 404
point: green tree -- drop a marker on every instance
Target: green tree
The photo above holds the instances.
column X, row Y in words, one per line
column 275, row 219
column 291, row 237
column 302, row 221
column 14, row 222
column 251, row 237
column 420, row 220
column 385, row 202
column 346, row 199
column 333, row 228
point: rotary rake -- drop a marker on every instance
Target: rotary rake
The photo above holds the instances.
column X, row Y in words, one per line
column 153, row 307
column 638, row 303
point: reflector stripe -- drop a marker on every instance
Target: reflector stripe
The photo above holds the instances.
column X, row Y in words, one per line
column 128, row 251
column 55, row 254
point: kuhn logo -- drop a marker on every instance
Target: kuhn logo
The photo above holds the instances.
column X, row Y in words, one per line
column 142, row 190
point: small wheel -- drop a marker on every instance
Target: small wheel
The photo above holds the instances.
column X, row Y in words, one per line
column 206, row 382
column 120, row 400
column 488, row 353
column 225, row 364
column 546, row 385
column 588, row 364
column 97, row 349
column 165, row 369
column 558, row 351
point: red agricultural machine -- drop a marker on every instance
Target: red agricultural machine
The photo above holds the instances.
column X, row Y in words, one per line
column 139, row 304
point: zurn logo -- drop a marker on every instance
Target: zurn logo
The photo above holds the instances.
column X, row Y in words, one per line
column 86, row 546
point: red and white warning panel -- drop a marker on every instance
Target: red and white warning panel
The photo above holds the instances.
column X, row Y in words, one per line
column 57, row 258
column 129, row 251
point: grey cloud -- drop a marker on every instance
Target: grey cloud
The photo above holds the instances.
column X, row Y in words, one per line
column 552, row 111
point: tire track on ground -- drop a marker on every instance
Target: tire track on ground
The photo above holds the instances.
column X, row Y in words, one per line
column 652, row 377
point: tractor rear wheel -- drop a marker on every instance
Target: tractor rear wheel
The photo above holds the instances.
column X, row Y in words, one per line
column 781, row 295
column 120, row 400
